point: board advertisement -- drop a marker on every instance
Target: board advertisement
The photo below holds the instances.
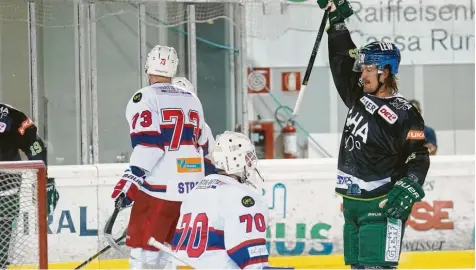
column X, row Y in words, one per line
column 305, row 213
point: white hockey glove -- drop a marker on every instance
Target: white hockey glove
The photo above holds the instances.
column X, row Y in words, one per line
column 126, row 189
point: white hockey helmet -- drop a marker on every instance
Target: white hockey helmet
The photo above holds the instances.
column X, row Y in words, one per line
column 162, row 61
column 183, row 83
column 234, row 153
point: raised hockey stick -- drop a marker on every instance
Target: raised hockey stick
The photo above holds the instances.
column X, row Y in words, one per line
column 166, row 249
column 310, row 64
column 101, row 252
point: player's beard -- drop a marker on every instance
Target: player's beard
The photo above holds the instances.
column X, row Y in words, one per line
column 371, row 88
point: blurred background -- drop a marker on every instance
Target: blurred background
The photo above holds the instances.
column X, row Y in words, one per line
column 72, row 66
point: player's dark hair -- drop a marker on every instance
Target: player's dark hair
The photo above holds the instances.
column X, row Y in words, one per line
column 391, row 81
column 414, row 101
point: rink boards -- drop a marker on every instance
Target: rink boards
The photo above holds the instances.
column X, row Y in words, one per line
column 305, row 214
column 412, row 260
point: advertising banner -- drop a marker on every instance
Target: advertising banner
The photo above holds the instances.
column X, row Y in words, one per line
column 306, row 218
column 426, row 32
column 305, row 213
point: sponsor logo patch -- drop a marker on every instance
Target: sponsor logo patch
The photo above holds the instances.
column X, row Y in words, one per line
column 387, row 114
column 24, row 125
column 415, row 135
column 370, row 106
column 257, row 251
column 189, row 165
column 137, row 97
column 401, row 104
column 247, row 201
column 393, row 240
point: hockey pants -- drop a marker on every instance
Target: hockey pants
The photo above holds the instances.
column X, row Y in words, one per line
column 371, row 240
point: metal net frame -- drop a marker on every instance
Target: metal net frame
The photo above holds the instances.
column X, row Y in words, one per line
column 23, row 215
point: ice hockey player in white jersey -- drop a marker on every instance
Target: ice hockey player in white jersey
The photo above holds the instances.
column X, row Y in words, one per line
column 165, row 129
column 206, row 131
column 223, row 220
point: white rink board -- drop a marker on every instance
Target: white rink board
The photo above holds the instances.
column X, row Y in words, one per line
column 303, row 190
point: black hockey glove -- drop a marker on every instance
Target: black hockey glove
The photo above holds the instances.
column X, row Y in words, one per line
column 401, row 198
column 52, row 195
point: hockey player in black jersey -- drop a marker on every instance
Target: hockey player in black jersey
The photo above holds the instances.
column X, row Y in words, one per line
column 383, row 160
column 17, row 132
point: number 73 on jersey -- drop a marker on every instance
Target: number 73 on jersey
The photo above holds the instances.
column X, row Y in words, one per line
column 174, row 120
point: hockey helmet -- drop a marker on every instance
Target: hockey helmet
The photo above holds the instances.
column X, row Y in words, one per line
column 234, row 153
column 379, row 54
column 162, row 61
column 183, row 83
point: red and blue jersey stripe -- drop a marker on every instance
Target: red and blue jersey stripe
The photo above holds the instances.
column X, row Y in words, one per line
column 241, row 256
column 154, row 188
column 167, row 137
column 147, row 138
column 214, row 239
column 185, row 136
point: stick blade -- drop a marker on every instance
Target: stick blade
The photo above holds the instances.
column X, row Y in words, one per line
column 297, row 105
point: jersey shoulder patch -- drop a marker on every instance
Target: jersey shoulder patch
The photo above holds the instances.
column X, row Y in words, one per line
column 11, row 117
column 25, row 125
column 401, row 103
column 248, row 201
column 137, row 97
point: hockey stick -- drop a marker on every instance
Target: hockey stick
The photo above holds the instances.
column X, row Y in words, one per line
column 108, row 229
column 100, row 252
column 310, row 65
column 110, row 239
column 108, row 232
column 166, row 249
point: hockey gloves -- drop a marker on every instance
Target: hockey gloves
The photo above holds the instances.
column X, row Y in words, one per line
column 126, row 189
column 339, row 12
column 401, row 198
column 52, row 195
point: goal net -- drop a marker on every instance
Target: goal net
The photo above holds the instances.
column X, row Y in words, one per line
column 23, row 218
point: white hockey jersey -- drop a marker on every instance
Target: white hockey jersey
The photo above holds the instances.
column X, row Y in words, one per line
column 166, row 126
column 208, row 138
column 222, row 225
